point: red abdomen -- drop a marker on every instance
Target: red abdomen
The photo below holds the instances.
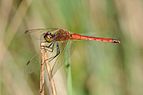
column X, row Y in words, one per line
column 81, row 37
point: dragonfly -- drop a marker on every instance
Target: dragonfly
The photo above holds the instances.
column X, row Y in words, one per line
column 55, row 36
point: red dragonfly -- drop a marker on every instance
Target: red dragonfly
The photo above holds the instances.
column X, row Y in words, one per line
column 53, row 36
column 56, row 35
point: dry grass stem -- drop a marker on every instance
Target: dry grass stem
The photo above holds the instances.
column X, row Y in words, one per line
column 44, row 62
column 42, row 50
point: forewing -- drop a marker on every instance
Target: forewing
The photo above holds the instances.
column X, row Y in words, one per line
column 39, row 32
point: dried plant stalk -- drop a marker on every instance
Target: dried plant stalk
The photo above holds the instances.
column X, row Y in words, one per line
column 42, row 51
column 44, row 62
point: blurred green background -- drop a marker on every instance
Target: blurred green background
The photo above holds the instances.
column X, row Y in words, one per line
column 96, row 68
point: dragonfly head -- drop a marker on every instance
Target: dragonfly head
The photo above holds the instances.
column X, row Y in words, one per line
column 49, row 37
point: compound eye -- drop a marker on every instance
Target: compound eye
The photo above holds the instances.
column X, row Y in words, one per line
column 48, row 37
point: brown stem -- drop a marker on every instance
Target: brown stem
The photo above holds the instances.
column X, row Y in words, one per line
column 42, row 50
column 44, row 57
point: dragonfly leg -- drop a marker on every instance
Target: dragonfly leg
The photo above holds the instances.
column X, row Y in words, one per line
column 50, row 47
column 58, row 52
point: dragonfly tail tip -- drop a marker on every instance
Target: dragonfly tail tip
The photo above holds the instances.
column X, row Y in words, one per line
column 116, row 41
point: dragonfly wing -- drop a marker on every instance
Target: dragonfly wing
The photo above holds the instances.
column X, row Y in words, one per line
column 38, row 33
column 32, row 64
column 57, row 62
column 40, row 30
